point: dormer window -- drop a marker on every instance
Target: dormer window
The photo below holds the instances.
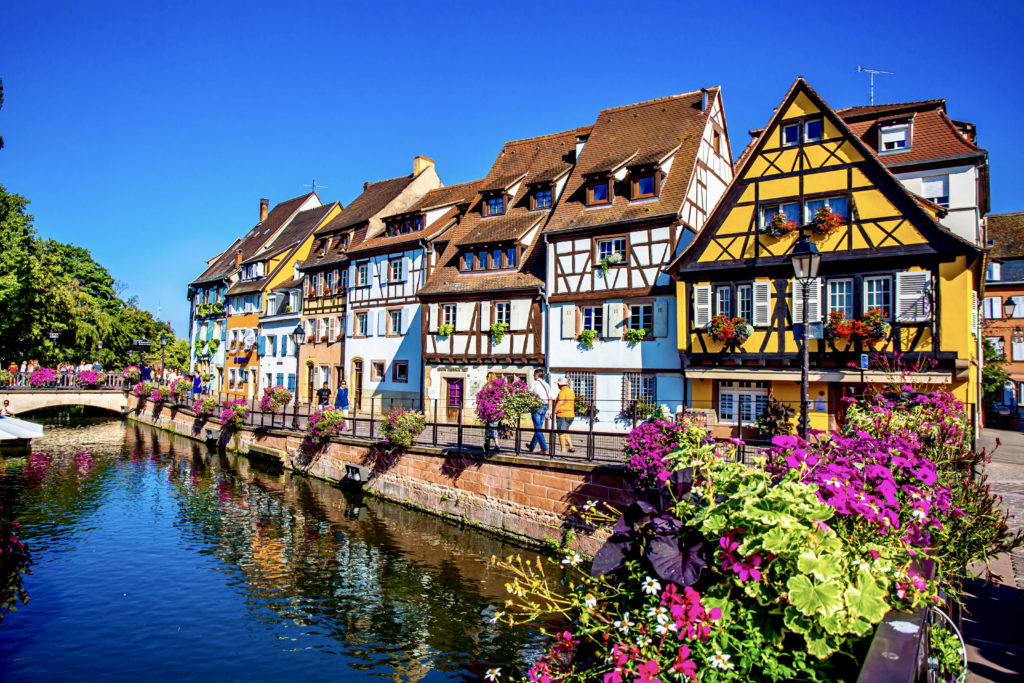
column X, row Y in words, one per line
column 495, row 258
column 598, row 192
column 894, row 138
column 321, row 248
column 644, row 185
column 541, row 198
column 791, row 135
column 494, row 206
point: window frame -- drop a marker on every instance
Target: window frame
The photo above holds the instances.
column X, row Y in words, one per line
column 598, row 241
column 882, row 129
column 782, row 134
column 748, row 290
column 391, row 331
column 591, row 184
column 751, row 389
column 650, row 328
column 807, row 122
column 642, row 379
column 378, row 376
column 849, row 310
column 937, row 200
column 597, row 319
column 453, row 309
column 725, row 290
column 505, row 306
column 866, row 306
column 400, row 263
column 395, row 365
column 634, row 184
column 778, row 206
column 364, row 278
column 361, row 328
column 827, row 202
column 547, row 189
column 488, row 207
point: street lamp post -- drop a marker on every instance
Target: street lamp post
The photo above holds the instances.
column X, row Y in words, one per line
column 806, row 259
column 163, row 355
column 298, row 336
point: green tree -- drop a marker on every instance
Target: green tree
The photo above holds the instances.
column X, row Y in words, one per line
column 993, row 374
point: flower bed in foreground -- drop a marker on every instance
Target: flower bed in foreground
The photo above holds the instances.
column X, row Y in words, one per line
column 780, row 571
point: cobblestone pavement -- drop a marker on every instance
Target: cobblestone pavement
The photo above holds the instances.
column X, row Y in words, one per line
column 994, row 613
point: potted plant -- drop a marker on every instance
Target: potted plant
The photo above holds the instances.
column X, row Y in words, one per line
column 730, row 331
column 204, row 406
column 778, row 226
column 635, row 336
column 234, row 414
column 608, row 261
column 498, row 332
column 774, row 419
column 339, row 337
column 323, row 337
column 584, row 407
column 6, row 377
column 275, row 399
column 401, row 427
column 324, row 424
column 445, row 330
column 825, row 221
column 587, row 338
column 874, row 326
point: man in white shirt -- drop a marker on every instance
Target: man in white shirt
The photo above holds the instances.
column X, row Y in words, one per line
column 541, row 390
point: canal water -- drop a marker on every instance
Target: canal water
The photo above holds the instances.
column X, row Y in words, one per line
column 157, row 558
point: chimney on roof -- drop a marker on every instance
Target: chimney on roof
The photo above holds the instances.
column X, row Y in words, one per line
column 703, row 99
column 264, row 203
column 366, row 185
column 238, row 258
column 421, row 164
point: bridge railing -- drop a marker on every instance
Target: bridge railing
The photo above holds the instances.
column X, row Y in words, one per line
column 65, row 381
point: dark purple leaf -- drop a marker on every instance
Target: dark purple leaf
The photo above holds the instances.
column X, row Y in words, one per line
column 611, row 557
column 622, row 527
column 666, row 524
column 679, row 565
column 682, row 480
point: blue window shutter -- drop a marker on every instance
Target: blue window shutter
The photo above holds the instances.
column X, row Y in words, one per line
column 261, row 345
column 407, row 315
column 348, row 323
column 291, row 382
column 280, row 379
column 382, row 323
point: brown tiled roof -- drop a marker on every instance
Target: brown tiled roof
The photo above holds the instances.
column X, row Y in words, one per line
column 546, row 156
column 933, row 135
column 301, row 226
column 367, row 205
column 224, row 266
column 294, row 283
column 1006, row 232
column 443, row 196
column 647, row 130
column 247, row 286
column 500, row 228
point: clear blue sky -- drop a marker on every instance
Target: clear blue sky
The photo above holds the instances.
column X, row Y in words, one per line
column 147, row 132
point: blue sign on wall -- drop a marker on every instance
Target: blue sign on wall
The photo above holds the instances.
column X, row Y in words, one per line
column 863, row 361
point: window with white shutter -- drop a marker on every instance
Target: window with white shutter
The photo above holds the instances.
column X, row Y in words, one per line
column 912, row 302
column 701, row 306
column 993, row 307
column 813, row 301
column 568, row 321
column 1018, row 351
column 974, row 312
column 762, row 304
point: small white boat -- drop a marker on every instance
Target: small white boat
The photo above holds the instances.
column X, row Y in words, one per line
column 18, row 433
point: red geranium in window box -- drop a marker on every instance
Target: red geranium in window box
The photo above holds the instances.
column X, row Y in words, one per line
column 323, row 337
column 779, row 226
column 826, row 222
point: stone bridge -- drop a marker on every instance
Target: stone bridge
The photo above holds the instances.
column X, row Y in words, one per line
column 106, row 391
column 24, row 401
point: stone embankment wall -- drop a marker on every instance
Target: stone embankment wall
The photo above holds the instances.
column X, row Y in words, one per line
column 525, row 498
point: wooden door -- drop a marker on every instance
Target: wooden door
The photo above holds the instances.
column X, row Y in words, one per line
column 455, row 395
column 356, row 389
column 310, row 371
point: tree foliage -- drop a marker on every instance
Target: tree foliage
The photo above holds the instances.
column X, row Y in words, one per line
column 49, row 287
column 993, row 375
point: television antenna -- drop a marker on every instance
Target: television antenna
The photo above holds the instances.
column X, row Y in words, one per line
column 314, row 185
column 871, row 73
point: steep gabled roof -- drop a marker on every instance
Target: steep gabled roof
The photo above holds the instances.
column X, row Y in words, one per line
column 257, row 237
column 372, row 201
column 915, row 208
column 933, row 136
column 521, row 163
column 634, row 135
column 297, row 230
column 1006, row 233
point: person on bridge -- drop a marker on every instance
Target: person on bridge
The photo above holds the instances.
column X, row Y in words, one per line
column 341, row 400
column 6, row 410
column 145, row 375
column 197, row 386
column 565, row 411
column 13, row 367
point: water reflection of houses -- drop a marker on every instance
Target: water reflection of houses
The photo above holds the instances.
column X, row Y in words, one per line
column 395, row 588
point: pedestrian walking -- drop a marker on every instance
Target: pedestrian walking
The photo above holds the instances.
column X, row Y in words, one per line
column 341, row 400
column 323, row 396
column 197, row 386
column 13, row 367
column 23, row 367
column 542, row 391
column 565, row 411
column 145, row 374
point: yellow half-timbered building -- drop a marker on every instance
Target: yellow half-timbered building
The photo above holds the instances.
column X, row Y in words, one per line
column 893, row 283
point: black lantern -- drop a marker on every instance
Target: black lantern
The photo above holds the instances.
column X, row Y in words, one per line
column 805, row 258
column 298, row 335
column 1010, row 306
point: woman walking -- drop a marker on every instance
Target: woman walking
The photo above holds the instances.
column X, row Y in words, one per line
column 341, row 399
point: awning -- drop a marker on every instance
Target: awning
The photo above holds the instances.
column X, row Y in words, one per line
column 819, row 375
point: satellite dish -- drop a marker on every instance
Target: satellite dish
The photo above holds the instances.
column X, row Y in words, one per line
column 249, row 339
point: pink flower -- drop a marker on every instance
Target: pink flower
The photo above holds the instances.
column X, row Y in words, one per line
column 648, row 672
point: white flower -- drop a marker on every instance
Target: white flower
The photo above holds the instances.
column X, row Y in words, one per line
column 643, row 641
column 651, row 586
column 721, row 661
column 589, row 505
column 572, row 559
column 623, row 624
column 590, row 602
column 663, row 628
column 492, row 674
column 497, row 615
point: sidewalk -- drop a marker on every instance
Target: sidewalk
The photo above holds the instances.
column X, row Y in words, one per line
column 994, row 616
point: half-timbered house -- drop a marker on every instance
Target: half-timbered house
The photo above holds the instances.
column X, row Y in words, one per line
column 892, row 279
column 207, row 293
column 271, row 266
column 647, row 176
column 352, row 289
column 485, row 297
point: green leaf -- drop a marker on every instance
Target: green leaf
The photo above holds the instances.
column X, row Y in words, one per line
column 867, row 598
column 820, row 647
column 823, row 567
column 813, row 597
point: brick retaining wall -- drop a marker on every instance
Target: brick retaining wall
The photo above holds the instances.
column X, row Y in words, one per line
column 524, row 498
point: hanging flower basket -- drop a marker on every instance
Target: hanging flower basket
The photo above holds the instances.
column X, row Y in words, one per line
column 779, row 226
column 733, row 331
column 826, row 222
column 870, row 329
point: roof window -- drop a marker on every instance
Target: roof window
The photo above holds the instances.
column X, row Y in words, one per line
column 494, row 206
column 599, row 192
column 894, row 138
